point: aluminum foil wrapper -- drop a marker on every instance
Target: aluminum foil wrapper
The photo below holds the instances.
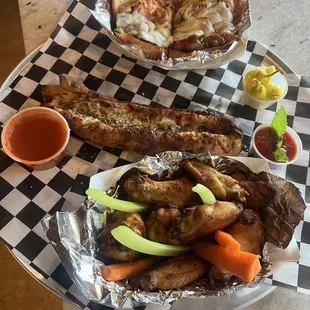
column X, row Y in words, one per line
column 73, row 235
column 194, row 60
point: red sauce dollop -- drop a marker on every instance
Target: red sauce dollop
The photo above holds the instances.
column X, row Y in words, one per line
column 265, row 141
column 37, row 137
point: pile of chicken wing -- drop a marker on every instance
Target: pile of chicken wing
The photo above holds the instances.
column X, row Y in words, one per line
column 252, row 208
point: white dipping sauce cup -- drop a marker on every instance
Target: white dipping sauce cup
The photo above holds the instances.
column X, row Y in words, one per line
column 273, row 164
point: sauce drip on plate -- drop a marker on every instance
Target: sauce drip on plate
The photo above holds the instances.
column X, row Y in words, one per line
column 265, row 141
column 37, row 137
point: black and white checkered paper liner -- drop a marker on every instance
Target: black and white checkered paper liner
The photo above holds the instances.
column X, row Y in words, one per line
column 78, row 48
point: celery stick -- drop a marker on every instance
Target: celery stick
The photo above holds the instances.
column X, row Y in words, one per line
column 113, row 203
column 130, row 239
column 205, row 194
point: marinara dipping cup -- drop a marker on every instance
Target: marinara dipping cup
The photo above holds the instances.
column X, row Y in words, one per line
column 291, row 143
column 36, row 137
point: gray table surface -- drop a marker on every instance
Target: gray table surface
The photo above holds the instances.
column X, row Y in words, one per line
column 282, row 25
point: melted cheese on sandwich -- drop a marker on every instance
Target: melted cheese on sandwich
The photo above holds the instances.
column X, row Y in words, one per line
column 193, row 26
column 204, row 21
column 216, row 13
column 139, row 26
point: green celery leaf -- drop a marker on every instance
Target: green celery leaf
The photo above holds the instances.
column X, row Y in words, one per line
column 279, row 144
column 279, row 122
column 280, row 155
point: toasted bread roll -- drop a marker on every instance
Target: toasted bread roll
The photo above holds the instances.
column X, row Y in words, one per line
column 140, row 128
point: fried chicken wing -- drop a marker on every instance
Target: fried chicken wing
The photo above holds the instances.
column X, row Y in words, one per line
column 174, row 273
column 162, row 225
column 278, row 201
column 223, row 186
column 109, row 247
column 179, row 192
column 248, row 231
column 170, row 226
column 200, row 221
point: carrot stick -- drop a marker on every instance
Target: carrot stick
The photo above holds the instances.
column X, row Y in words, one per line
column 227, row 241
column 126, row 270
column 244, row 265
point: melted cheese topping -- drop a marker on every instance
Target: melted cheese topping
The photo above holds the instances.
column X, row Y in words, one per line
column 207, row 20
column 139, row 26
column 152, row 23
column 193, row 26
column 224, row 26
column 216, row 13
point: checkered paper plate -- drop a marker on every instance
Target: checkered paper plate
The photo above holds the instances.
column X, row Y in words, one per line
column 77, row 47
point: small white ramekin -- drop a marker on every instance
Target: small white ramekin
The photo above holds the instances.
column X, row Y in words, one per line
column 273, row 164
column 277, row 79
